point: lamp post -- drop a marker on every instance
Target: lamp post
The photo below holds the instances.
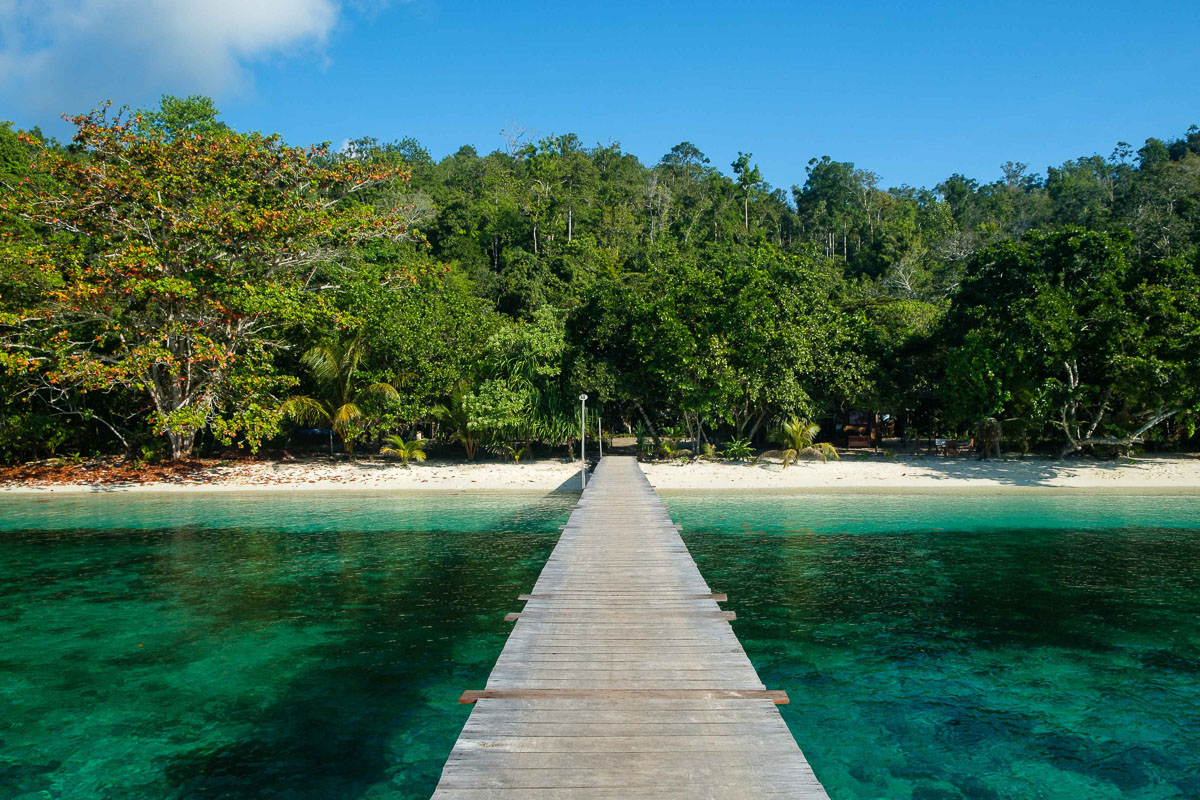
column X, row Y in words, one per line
column 600, row 432
column 583, row 440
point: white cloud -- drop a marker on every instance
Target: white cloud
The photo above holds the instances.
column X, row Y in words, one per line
column 61, row 56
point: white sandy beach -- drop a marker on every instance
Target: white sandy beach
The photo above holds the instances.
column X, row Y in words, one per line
column 855, row 472
column 931, row 473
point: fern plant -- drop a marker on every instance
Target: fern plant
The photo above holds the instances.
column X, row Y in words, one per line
column 739, row 450
column 670, row 450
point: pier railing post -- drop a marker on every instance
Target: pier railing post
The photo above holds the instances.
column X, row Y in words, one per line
column 583, row 440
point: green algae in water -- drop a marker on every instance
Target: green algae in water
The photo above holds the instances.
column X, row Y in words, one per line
column 154, row 648
column 970, row 646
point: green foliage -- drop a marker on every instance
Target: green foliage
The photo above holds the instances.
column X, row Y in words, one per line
column 26, row 436
column 455, row 416
column 798, row 437
column 413, row 450
column 671, row 450
column 349, row 408
column 168, row 276
column 182, row 116
column 513, row 451
column 739, row 450
column 427, row 335
column 1063, row 330
column 174, row 256
column 732, row 340
column 497, row 406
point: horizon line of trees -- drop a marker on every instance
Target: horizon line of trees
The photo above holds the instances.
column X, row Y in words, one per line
column 168, row 284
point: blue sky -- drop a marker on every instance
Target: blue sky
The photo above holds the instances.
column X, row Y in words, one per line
column 912, row 91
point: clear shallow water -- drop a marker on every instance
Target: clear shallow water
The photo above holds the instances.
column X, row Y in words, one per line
column 271, row 645
column 309, row 645
column 970, row 646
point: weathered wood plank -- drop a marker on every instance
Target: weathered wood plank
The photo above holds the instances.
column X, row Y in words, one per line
column 776, row 696
column 622, row 677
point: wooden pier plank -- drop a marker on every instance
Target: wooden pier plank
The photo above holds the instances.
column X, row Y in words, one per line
column 622, row 677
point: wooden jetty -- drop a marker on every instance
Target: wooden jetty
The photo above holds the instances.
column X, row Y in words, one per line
column 622, row 677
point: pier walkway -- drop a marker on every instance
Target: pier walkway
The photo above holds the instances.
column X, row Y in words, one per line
column 622, row 677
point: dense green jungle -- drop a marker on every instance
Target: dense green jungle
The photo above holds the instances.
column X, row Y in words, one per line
column 172, row 287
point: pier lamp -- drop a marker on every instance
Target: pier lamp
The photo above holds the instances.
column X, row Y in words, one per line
column 583, row 439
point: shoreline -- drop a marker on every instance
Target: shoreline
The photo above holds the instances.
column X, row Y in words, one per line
column 858, row 473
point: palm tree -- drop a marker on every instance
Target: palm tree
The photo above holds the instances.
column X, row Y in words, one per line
column 514, row 451
column 396, row 446
column 798, row 435
column 455, row 417
column 333, row 366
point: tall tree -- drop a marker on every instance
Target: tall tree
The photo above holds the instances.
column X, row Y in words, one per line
column 179, row 257
column 749, row 179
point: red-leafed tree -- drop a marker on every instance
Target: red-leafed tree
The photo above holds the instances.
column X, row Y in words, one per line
column 174, row 260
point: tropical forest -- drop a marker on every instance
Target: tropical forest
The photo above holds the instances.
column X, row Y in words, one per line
column 173, row 287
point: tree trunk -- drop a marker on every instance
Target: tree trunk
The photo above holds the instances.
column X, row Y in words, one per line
column 757, row 422
column 181, row 443
column 653, row 431
column 1075, row 445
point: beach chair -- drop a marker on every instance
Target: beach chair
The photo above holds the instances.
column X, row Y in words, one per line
column 955, row 447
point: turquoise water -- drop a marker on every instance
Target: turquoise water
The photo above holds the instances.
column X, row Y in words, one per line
column 307, row 645
column 940, row 647
column 276, row 645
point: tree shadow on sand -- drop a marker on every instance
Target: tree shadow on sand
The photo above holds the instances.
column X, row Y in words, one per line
column 1031, row 472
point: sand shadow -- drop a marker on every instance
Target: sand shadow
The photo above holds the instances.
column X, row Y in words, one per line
column 1008, row 472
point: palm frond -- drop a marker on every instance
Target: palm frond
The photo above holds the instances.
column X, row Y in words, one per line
column 790, row 456
column 346, row 415
column 304, row 410
column 821, row 451
column 383, row 391
column 798, row 433
column 324, row 364
column 352, row 353
column 396, row 446
column 513, row 451
column 451, row 415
